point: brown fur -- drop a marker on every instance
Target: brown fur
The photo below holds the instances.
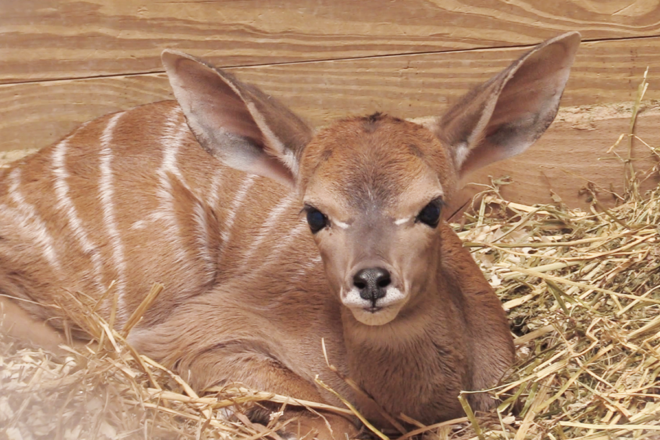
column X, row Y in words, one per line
column 236, row 324
column 246, row 299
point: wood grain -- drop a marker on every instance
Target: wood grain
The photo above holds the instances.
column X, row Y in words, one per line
column 35, row 114
column 573, row 154
column 42, row 39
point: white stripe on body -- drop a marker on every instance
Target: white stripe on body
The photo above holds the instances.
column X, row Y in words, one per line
column 42, row 237
column 106, row 196
column 239, row 197
column 275, row 253
column 202, row 239
column 212, row 204
column 214, row 190
column 65, row 204
column 271, row 223
column 172, row 140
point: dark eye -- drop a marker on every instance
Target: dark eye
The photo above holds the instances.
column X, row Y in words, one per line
column 316, row 219
column 430, row 215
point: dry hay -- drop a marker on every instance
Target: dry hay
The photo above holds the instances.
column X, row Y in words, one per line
column 582, row 292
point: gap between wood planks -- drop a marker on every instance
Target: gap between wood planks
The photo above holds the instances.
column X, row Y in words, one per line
column 323, row 60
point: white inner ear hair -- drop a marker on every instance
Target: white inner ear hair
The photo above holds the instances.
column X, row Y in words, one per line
column 461, row 152
column 287, row 156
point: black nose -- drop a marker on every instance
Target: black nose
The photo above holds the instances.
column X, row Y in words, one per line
column 372, row 283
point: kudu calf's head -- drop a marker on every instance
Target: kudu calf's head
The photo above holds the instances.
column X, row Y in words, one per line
column 373, row 188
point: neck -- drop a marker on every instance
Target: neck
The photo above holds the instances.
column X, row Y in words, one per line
column 411, row 364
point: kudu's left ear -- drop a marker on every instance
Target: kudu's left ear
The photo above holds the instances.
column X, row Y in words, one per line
column 508, row 113
column 235, row 122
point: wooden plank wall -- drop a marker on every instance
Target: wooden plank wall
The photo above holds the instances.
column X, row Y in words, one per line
column 67, row 61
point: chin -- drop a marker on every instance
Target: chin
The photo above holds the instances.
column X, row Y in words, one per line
column 377, row 317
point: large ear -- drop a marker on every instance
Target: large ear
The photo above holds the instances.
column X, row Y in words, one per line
column 235, row 122
column 507, row 114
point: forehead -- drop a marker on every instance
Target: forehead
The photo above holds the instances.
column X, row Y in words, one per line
column 373, row 159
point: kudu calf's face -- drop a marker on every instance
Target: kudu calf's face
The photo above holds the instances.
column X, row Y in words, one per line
column 373, row 190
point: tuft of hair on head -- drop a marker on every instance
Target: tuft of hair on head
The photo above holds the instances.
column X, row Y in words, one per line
column 371, row 122
column 375, row 117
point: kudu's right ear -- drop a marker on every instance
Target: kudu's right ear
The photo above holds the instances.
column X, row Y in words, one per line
column 235, row 122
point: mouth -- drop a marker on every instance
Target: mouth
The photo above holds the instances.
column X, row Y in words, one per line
column 374, row 312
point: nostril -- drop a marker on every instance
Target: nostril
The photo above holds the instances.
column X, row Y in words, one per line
column 359, row 284
column 384, row 280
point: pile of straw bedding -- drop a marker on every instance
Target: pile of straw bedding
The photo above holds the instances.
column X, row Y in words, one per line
column 582, row 293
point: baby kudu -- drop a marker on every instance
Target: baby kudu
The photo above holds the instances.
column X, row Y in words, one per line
column 250, row 292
